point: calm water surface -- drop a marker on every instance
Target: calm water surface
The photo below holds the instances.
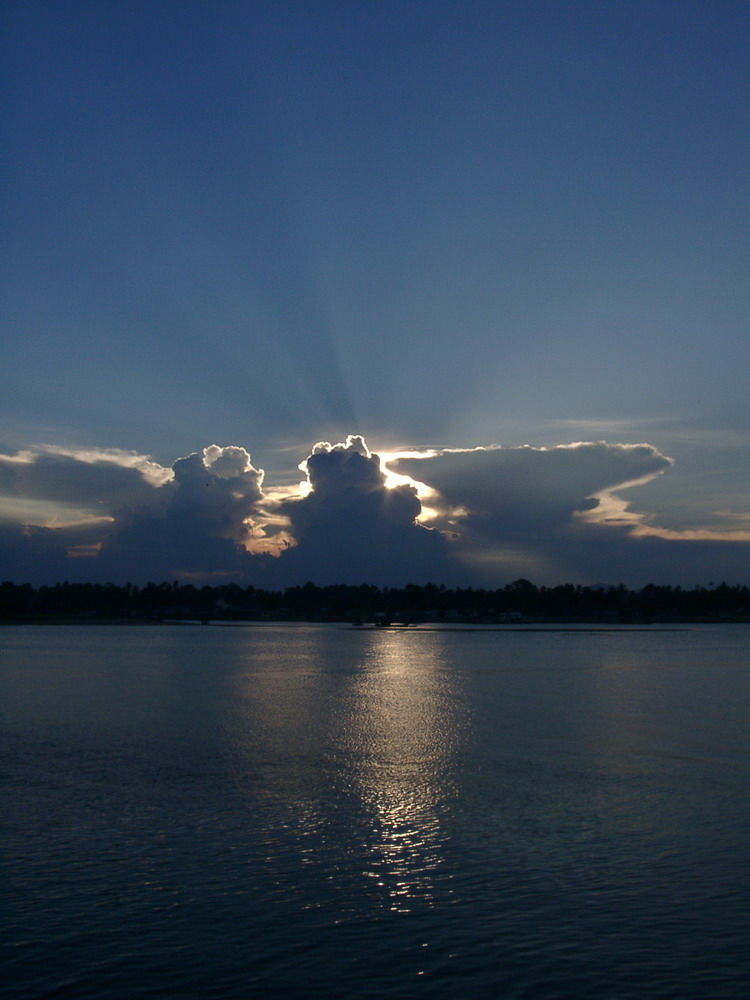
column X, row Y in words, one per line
column 320, row 811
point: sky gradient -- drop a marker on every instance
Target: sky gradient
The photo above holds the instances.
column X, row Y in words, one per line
column 474, row 234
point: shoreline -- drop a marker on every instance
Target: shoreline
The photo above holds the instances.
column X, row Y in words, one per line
column 545, row 625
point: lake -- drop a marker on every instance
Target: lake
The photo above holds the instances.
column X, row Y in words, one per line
column 309, row 811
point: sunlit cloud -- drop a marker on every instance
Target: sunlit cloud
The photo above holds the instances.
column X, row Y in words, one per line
column 691, row 534
column 152, row 472
column 515, row 507
column 613, row 510
column 25, row 457
column 47, row 514
column 393, row 479
column 483, row 515
column 352, row 525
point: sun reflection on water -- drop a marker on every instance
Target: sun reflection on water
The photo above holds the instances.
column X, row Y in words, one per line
column 346, row 744
column 401, row 735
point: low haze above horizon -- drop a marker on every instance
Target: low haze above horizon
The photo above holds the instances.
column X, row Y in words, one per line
column 504, row 246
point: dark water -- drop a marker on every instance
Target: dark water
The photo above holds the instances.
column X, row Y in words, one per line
column 325, row 812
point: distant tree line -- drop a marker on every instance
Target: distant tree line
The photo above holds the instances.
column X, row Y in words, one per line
column 520, row 600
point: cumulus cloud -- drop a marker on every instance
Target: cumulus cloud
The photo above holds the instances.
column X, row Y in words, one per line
column 197, row 522
column 481, row 515
column 351, row 528
column 136, row 519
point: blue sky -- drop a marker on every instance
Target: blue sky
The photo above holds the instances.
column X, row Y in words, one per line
column 437, row 225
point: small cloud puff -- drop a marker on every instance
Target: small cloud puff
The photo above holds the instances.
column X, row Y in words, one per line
column 230, row 463
column 349, row 467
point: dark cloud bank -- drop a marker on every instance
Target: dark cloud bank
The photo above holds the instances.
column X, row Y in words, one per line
column 486, row 516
